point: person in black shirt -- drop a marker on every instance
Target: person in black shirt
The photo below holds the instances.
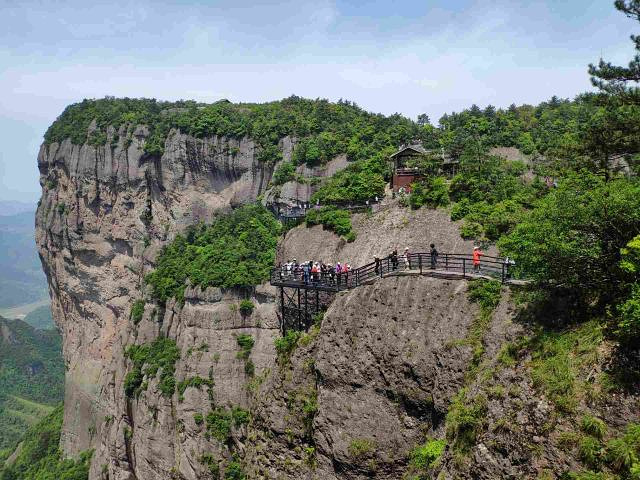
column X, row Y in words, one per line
column 434, row 256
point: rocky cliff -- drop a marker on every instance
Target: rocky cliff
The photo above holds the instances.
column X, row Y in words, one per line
column 353, row 398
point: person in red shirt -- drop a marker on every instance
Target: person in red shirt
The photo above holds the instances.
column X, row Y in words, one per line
column 477, row 253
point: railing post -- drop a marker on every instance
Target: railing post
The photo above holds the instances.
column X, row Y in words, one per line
column 464, row 267
column 420, row 262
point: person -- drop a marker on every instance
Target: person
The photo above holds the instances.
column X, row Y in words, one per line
column 314, row 273
column 377, row 262
column 407, row 259
column 434, row 256
column 394, row 258
column 332, row 273
column 338, row 272
column 477, row 253
column 508, row 263
column 306, row 272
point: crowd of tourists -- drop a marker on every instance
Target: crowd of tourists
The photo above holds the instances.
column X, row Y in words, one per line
column 318, row 272
column 311, row 272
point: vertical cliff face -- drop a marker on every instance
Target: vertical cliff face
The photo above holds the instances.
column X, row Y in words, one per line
column 350, row 403
column 104, row 214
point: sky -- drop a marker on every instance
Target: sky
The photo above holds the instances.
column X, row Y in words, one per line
column 411, row 57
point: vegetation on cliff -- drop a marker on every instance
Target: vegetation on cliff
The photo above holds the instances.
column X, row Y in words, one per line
column 40, row 458
column 157, row 358
column 236, row 250
column 325, row 128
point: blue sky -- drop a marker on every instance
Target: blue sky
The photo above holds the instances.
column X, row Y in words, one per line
column 412, row 57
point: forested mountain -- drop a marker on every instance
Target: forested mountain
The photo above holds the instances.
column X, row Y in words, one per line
column 31, row 377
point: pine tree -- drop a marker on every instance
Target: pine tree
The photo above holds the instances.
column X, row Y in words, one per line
column 616, row 79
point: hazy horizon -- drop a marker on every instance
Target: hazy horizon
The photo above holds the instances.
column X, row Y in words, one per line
column 410, row 58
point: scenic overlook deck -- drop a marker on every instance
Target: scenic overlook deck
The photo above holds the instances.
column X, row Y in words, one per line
column 302, row 299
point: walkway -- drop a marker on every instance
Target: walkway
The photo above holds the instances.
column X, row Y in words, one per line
column 448, row 265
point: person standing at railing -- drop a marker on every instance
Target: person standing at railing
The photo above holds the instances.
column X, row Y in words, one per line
column 377, row 264
column 306, row 271
column 477, row 254
column 407, row 259
column 338, row 272
column 394, row 258
column 434, row 257
column 508, row 263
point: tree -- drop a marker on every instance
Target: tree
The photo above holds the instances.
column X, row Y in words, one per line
column 423, row 119
column 573, row 238
column 616, row 79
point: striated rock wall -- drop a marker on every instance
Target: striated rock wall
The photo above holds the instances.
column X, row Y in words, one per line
column 104, row 214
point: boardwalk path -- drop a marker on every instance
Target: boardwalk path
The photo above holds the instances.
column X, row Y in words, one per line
column 300, row 300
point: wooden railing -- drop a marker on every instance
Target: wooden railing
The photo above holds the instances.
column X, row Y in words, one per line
column 454, row 263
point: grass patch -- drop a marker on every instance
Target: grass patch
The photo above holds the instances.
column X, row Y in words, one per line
column 559, row 358
column 593, row 426
column 361, row 447
column 465, row 420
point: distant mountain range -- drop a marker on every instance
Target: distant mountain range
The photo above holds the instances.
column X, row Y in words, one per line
column 21, row 278
column 11, row 207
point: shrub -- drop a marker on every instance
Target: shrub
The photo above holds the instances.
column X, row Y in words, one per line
column 361, row 447
column 246, row 307
column 219, row 424
column 249, row 368
column 485, row 292
column 432, row 192
column 464, row 421
column 360, row 181
column 285, row 172
column 620, row 456
column 590, row 451
column 286, row 345
column 245, row 342
column 137, row 310
column 198, row 418
column 234, row 471
column 426, row 456
column 593, row 426
column 212, row 464
column 338, row 221
column 132, row 382
column 460, row 209
column 161, row 356
column 628, row 327
column 195, row 382
column 471, row 230
column 240, row 416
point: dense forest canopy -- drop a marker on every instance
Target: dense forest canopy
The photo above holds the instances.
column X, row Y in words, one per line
column 325, row 128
